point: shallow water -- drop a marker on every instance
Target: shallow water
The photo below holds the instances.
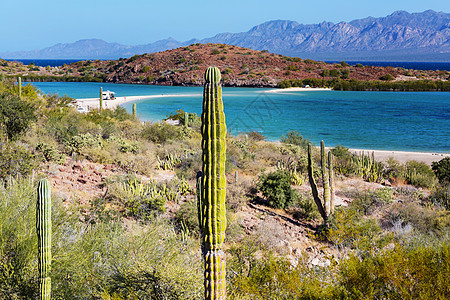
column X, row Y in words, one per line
column 408, row 121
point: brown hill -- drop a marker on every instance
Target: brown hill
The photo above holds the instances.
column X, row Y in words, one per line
column 239, row 66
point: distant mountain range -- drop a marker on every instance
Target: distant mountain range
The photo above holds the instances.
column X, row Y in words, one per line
column 401, row 36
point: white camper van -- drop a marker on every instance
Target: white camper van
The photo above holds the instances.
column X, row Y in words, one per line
column 108, row 95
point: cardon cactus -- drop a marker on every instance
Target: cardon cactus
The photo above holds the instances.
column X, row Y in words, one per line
column 20, row 87
column 101, row 99
column 212, row 186
column 44, row 233
column 134, row 110
column 325, row 179
column 313, row 184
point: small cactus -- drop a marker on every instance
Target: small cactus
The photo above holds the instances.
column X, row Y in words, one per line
column 44, row 233
column 20, row 87
column 101, row 99
column 212, row 186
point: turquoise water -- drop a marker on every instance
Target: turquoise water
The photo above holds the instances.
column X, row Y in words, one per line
column 413, row 121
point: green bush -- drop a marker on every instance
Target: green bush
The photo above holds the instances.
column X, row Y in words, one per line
column 162, row 133
column 276, row 187
column 16, row 161
column 295, row 138
column 16, row 115
column 419, row 174
column 442, row 170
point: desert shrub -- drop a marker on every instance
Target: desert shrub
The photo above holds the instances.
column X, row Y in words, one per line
column 50, row 153
column 18, row 242
column 349, row 229
column 424, row 220
column 138, row 199
column 305, row 208
column 423, row 273
column 275, row 278
column 15, row 161
column 187, row 217
column 442, row 170
column 395, row 171
column 387, row 77
column 162, row 133
column 78, row 142
column 237, row 194
column 276, row 188
column 16, row 115
column 255, row 135
column 295, row 138
column 441, row 196
column 365, row 202
column 419, row 174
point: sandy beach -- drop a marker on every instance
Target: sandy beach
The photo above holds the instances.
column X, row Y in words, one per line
column 403, row 156
column 92, row 103
column 298, row 89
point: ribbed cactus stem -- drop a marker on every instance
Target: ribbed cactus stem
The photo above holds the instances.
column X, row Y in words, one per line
column 331, row 176
column 213, row 186
column 313, row 184
column 44, row 233
column 134, row 110
column 20, row 87
column 186, row 119
column 101, row 99
column 325, row 179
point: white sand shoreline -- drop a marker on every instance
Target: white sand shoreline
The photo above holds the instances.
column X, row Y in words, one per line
column 298, row 89
column 93, row 103
column 403, row 156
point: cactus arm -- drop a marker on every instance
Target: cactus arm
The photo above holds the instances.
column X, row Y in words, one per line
column 313, row 184
column 213, row 187
column 101, row 98
column 44, row 233
column 331, row 176
column 325, row 180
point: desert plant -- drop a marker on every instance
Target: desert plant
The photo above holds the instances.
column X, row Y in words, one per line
column 134, row 110
column 442, row 170
column 324, row 206
column 44, row 233
column 101, row 99
column 276, row 188
column 212, row 211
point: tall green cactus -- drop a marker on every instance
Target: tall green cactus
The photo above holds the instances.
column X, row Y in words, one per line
column 101, row 99
column 44, row 233
column 326, row 207
column 313, row 184
column 20, row 87
column 331, row 179
column 325, row 179
column 134, row 110
column 186, row 119
column 212, row 212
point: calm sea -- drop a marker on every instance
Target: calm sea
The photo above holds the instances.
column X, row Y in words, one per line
column 409, row 121
column 407, row 65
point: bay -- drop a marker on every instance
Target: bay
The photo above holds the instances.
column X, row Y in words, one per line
column 406, row 121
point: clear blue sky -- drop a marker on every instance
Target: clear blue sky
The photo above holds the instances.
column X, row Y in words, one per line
column 29, row 25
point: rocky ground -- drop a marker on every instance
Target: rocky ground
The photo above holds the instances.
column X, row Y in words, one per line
column 80, row 182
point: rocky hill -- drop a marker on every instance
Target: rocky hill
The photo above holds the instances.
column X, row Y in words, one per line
column 401, row 36
column 186, row 66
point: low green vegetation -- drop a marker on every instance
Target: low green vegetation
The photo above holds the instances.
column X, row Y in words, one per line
column 135, row 233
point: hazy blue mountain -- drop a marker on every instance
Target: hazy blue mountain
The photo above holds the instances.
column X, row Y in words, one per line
column 401, row 36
